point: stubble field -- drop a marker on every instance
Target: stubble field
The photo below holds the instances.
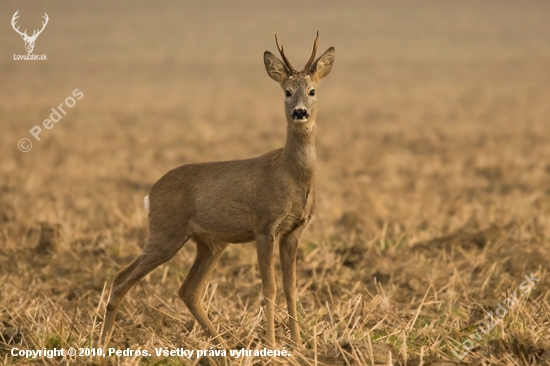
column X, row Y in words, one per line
column 433, row 177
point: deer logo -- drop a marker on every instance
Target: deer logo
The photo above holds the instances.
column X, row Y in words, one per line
column 29, row 40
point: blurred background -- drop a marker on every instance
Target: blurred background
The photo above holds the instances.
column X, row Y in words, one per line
column 170, row 82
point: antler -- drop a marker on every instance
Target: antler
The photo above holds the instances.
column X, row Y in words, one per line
column 15, row 16
column 34, row 34
column 282, row 52
column 43, row 26
column 310, row 62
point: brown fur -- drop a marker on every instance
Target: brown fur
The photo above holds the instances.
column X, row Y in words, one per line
column 268, row 199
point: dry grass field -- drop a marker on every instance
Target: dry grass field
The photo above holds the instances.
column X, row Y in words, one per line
column 433, row 177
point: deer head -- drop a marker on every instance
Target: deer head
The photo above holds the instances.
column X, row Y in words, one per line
column 299, row 86
column 29, row 40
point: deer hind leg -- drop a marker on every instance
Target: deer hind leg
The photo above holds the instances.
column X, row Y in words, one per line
column 288, row 247
column 193, row 287
column 158, row 250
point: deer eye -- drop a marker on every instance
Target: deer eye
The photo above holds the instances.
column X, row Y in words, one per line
column 312, row 93
column 288, row 94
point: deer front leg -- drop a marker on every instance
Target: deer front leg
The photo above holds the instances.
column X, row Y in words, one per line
column 288, row 248
column 265, row 245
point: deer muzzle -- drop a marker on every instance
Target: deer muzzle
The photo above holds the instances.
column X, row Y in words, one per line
column 300, row 114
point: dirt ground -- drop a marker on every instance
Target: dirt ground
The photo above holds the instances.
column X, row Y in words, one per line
column 433, row 177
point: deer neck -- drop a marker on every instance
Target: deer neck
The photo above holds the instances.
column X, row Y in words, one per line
column 299, row 151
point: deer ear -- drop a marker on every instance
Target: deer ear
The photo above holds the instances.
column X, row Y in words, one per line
column 323, row 65
column 275, row 68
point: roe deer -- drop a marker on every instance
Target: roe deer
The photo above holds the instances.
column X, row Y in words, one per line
column 268, row 199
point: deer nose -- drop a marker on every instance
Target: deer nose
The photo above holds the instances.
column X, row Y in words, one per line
column 299, row 113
